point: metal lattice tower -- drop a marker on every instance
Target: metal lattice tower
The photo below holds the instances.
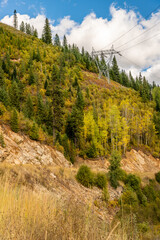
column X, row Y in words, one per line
column 107, row 56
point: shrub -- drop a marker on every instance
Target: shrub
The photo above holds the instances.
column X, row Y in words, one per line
column 157, row 177
column 34, row 135
column 101, row 180
column 115, row 170
column 2, row 143
column 129, row 197
column 14, row 121
column 85, row 176
column 114, row 177
column 133, row 181
column 92, row 152
column 141, row 197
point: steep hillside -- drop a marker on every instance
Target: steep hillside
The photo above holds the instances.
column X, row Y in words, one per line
column 57, row 115
column 53, row 94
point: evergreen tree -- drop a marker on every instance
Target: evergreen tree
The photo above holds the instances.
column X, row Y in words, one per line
column 14, row 121
column 34, row 135
column 22, row 27
column 57, row 41
column 31, row 77
column 64, row 42
column 1, row 76
column 115, row 71
column 47, row 35
column 58, row 102
column 28, row 28
column 15, row 95
column 40, row 110
column 75, row 121
column 114, row 168
column 35, row 33
column 4, row 97
column 29, row 111
column 15, row 19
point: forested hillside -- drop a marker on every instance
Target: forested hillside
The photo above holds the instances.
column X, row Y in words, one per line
column 52, row 93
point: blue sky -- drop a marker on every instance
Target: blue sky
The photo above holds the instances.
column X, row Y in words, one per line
column 97, row 24
column 77, row 9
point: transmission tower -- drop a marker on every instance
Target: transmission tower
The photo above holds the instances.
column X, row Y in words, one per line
column 107, row 56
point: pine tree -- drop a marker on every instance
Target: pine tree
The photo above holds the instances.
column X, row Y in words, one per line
column 34, row 135
column 47, row 35
column 31, row 77
column 15, row 19
column 22, row 27
column 1, row 77
column 14, row 121
column 75, row 121
column 115, row 71
column 15, row 95
column 29, row 111
column 58, row 102
column 57, row 41
column 28, row 28
column 64, row 42
column 35, row 33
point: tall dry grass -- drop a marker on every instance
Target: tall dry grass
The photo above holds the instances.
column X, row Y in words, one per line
column 26, row 215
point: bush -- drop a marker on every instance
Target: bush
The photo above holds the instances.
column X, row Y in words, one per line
column 129, row 197
column 92, row 152
column 101, row 180
column 157, row 177
column 115, row 170
column 141, row 197
column 85, row 176
column 114, row 177
column 133, row 181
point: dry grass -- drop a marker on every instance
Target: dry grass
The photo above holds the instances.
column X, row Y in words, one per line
column 26, row 215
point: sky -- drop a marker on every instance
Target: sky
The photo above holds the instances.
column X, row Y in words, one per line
column 98, row 24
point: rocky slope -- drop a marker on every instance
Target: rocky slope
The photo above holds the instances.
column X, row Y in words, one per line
column 46, row 169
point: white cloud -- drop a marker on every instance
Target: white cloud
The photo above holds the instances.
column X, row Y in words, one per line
column 37, row 22
column 101, row 32
column 4, row 2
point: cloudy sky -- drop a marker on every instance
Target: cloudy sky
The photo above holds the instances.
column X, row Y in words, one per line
column 133, row 27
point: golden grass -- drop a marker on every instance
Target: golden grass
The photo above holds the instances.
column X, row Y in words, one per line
column 26, row 215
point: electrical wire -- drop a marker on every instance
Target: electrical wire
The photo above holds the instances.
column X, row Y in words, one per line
column 139, row 35
column 139, row 43
column 135, row 64
column 131, row 28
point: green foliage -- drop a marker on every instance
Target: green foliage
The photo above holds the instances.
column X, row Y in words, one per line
column 114, row 169
column 29, row 111
column 47, row 35
column 157, row 177
column 2, row 143
column 57, row 41
column 129, row 197
column 100, row 180
column 85, row 176
column 91, row 151
column 133, row 181
column 14, row 121
column 34, row 135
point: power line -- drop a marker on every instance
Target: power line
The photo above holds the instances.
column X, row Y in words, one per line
column 131, row 28
column 139, row 35
column 138, row 65
column 140, row 42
